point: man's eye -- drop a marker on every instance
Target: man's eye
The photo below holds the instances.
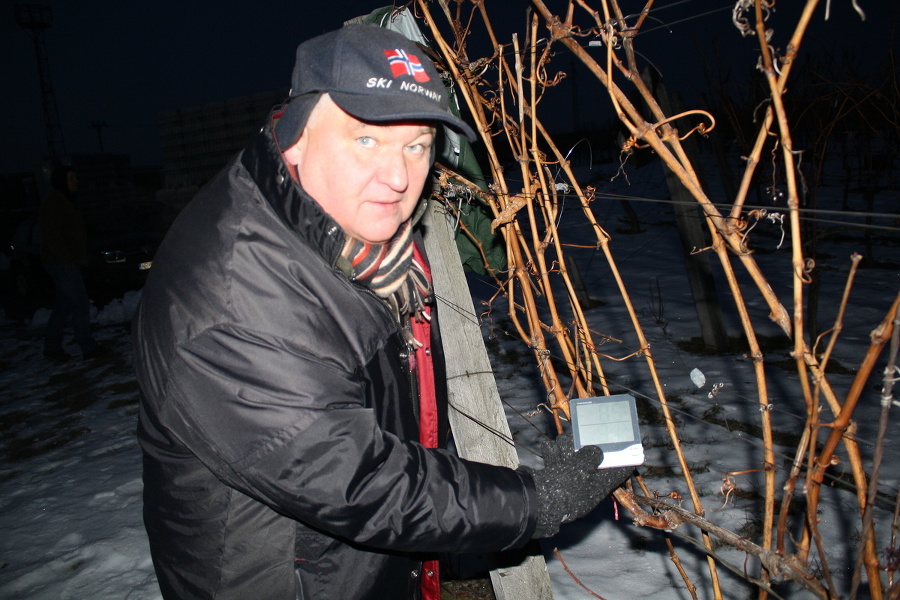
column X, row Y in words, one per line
column 418, row 148
column 366, row 141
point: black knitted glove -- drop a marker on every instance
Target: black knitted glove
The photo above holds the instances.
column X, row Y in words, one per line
column 570, row 485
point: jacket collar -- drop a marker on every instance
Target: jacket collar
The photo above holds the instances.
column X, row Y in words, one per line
column 291, row 203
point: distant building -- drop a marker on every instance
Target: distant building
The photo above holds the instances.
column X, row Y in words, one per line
column 115, row 197
column 197, row 142
column 19, row 199
column 103, row 179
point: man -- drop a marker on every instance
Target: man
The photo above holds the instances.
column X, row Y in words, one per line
column 287, row 352
column 64, row 251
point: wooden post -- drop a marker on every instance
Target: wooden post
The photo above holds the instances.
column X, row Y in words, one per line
column 689, row 220
column 479, row 424
column 584, row 298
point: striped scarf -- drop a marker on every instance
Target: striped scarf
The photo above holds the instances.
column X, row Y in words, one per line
column 391, row 271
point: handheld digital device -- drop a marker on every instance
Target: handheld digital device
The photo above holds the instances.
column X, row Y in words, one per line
column 610, row 422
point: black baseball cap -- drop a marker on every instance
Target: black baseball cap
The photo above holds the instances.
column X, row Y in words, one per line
column 373, row 74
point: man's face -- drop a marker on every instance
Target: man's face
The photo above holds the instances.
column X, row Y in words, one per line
column 367, row 177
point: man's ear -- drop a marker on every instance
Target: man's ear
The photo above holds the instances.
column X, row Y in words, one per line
column 293, row 154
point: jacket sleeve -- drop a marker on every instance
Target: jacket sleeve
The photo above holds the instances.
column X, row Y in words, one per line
column 289, row 429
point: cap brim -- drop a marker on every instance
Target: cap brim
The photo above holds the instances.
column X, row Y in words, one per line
column 380, row 109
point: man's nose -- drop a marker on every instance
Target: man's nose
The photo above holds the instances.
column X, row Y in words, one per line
column 393, row 171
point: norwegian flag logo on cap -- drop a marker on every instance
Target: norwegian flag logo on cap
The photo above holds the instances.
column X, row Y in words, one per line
column 403, row 63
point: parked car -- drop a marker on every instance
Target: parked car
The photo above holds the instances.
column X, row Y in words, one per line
column 119, row 262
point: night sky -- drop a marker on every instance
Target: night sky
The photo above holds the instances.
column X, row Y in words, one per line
column 124, row 62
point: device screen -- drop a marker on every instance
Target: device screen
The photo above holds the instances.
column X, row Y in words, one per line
column 606, row 423
column 610, row 422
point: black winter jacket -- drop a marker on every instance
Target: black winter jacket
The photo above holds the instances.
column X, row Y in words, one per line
column 278, row 419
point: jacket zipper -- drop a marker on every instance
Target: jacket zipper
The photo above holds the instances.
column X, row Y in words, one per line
column 406, row 355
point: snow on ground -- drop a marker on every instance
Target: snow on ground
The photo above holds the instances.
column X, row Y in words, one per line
column 70, row 487
column 70, row 471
